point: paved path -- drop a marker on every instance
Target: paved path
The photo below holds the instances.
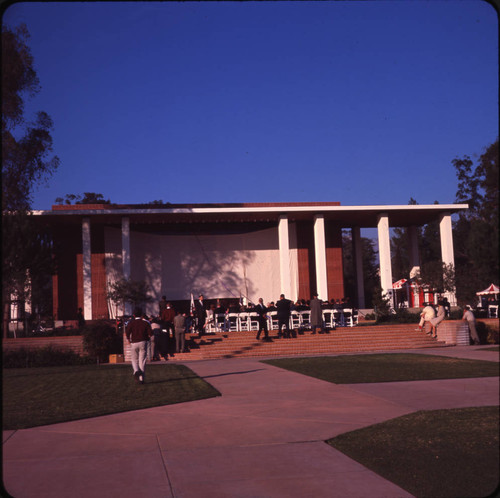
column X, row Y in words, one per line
column 264, row 437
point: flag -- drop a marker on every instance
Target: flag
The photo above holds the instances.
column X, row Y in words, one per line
column 192, row 303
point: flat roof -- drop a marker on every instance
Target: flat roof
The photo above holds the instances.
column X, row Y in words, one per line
column 346, row 216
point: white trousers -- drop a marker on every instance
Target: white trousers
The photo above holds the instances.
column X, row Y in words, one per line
column 139, row 355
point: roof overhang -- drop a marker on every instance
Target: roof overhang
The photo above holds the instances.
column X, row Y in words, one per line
column 345, row 216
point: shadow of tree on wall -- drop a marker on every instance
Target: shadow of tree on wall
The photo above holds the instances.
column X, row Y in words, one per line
column 177, row 265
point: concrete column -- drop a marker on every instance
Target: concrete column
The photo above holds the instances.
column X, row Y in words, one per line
column 414, row 252
column 320, row 256
column 87, row 269
column 357, row 251
column 384, row 252
column 126, row 247
column 447, row 255
column 126, row 257
column 284, row 248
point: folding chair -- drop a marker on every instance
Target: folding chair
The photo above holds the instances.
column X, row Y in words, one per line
column 253, row 321
column 233, row 322
column 244, row 321
column 348, row 322
column 272, row 320
column 220, row 320
column 305, row 319
column 328, row 319
column 295, row 320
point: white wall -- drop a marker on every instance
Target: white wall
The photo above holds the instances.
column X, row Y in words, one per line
column 216, row 265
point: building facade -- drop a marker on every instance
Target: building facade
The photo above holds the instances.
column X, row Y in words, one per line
column 222, row 250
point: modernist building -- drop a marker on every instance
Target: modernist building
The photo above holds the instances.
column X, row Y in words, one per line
column 222, row 250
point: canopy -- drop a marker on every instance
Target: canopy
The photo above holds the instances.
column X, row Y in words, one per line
column 399, row 284
column 492, row 289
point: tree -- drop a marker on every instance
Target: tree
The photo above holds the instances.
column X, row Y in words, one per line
column 370, row 267
column 27, row 162
column 25, row 159
column 476, row 230
column 100, row 340
column 135, row 292
column 88, row 198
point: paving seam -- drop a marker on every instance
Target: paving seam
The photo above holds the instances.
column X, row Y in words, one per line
column 164, row 466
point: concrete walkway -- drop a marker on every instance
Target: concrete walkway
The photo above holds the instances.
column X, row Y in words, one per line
column 264, row 437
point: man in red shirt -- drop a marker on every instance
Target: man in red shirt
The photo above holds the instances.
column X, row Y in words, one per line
column 138, row 333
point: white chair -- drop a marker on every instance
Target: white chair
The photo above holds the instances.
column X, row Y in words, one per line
column 305, row 319
column 244, row 321
column 328, row 318
column 337, row 318
column 348, row 321
column 220, row 320
column 210, row 322
column 295, row 320
column 355, row 317
column 272, row 317
column 493, row 311
column 253, row 321
column 233, row 322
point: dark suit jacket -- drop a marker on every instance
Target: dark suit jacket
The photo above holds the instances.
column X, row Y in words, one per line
column 284, row 307
column 261, row 311
column 201, row 312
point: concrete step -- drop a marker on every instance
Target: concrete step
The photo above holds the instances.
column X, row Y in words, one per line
column 341, row 340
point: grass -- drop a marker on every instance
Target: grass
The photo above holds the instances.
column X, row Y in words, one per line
column 356, row 369
column 442, row 453
column 494, row 348
column 41, row 396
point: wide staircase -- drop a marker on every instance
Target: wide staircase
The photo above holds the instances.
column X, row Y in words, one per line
column 341, row 340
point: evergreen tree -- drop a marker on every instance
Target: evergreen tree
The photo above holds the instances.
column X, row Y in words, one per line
column 26, row 163
column 476, row 230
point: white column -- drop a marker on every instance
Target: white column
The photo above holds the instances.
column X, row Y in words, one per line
column 358, row 266
column 126, row 256
column 87, row 269
column 447, row 255
column 384, row 252
column 126, row 247
column 320, row 256
column 284, row 248
column 414, row 252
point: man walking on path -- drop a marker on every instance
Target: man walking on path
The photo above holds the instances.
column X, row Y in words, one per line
column 138, row 333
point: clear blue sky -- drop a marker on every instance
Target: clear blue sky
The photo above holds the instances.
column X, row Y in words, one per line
column 357, row 102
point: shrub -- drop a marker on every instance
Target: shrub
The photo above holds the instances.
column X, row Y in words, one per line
column 401, row 316
column 100, row 340
column 57, row 332
column 42, row 357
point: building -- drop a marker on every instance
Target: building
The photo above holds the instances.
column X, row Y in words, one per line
column 222, row 250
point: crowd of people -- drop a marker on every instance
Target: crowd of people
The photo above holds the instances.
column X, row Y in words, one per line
column 164, row 334
column 432, row 316
column 153, row 337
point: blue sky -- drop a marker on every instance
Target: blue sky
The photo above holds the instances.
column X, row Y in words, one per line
column 358, row 102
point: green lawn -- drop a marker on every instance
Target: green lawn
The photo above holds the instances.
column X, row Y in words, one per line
column 40, row 396
column 431, row 454
column 441, row 453
column 356, row 369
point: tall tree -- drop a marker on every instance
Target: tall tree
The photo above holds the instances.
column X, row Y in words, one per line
column 370, row 268
column 27, row 161
column 476, row 230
